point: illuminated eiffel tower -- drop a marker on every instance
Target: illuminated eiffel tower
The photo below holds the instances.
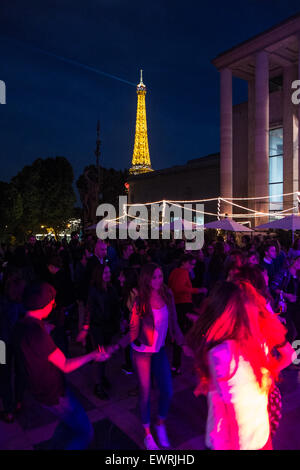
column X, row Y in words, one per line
column 141, row 159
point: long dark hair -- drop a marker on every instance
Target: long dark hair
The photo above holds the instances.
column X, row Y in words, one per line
column 295, row 244
column 131, row 282
column 236, row 311
column 144, row 289
column 97, row 277
column 254, row 275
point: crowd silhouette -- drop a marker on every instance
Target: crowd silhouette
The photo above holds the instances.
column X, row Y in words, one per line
column 232, row 307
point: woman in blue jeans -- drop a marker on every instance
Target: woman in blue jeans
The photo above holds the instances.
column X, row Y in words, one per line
column 153, row 315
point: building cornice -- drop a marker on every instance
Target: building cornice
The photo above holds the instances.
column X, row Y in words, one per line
column 202, row 162
column 278, row 35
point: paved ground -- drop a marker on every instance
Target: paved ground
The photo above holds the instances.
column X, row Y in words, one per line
column 116, row 422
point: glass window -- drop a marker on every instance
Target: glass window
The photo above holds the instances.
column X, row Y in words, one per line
column 200, row 219
column 276, row 169
column 276, row 83
column 276, row 142
column 276, row 202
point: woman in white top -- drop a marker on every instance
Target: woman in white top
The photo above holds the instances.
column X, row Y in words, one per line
column 233, row 340
column 153, row 315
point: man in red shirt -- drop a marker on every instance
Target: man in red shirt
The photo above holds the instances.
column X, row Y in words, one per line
column 181, row 286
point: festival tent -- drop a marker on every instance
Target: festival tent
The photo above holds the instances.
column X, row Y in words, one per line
column 290, row 222
column 229, row 225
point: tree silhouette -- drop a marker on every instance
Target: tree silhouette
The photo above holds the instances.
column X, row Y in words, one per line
column 47, row 193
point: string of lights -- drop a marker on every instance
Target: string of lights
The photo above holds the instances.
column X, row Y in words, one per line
column 257, row 212
column 195, row 210
column 250, row 213
column 262, row 197
column 242, row 207
column 219, row 208
column 169, row 201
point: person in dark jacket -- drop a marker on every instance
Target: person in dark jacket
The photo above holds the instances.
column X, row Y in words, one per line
column 103, row 308
column 61, row 316
column 285, row 288
column 181, row 286
column 99, row 258
column 268, row 262
column 128, row 282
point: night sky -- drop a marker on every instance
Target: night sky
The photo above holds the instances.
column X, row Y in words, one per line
column 58, row 60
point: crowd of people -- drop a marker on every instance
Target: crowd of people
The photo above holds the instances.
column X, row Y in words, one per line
column 232, row 307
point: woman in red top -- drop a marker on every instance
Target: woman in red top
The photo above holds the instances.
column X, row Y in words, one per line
column 240, row 348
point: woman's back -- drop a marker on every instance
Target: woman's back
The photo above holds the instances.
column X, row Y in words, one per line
column 238, row 415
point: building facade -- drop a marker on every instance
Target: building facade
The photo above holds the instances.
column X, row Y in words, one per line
column 259, row 144
column 259, row 150
column 198, row 179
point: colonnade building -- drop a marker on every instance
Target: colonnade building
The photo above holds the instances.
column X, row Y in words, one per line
column 259, row 149
column 259, row 143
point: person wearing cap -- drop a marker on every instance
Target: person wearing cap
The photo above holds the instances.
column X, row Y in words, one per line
column 45, row 366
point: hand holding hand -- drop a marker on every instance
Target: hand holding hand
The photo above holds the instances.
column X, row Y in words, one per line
column 101, row 355
column 203, row 290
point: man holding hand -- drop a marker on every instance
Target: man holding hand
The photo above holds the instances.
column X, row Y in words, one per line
column 45, row 366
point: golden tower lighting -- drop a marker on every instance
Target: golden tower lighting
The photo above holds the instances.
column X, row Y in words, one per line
column 141, row 159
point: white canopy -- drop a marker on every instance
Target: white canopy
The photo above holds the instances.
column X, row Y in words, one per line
column 229, row 225
column 290, row 222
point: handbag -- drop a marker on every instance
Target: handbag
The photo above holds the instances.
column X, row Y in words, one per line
column 274, row 409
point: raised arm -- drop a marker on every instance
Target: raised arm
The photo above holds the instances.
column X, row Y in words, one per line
column 59, row 360
column 220, row 360
column 286, row 356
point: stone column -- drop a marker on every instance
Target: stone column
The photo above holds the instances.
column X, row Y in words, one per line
column 226, row 138
column 251, row 141
column 261, row 156
column 290, row 138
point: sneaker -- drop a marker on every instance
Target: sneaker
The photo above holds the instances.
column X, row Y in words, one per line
column 127, row 370
column 162, row 435
column 150, row 443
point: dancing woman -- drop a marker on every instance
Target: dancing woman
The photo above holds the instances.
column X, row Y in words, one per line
column 153, row 315
column 232, row 341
